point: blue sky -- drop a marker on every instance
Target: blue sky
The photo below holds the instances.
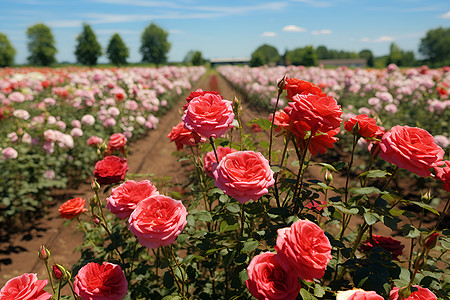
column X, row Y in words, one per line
column 229, row 28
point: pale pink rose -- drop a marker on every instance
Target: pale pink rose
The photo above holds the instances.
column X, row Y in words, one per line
column 41, row 106
column 13, row 137
column 109, row 122
column 49, row 174
column 75, row 124
column 442, row 141
column 51, row 120
column 65, row 141
column 244, row 175
column 125, row 198
column 411, row 148
column 209, row 115
column 25, row 287
column 131, row 105
column 358, row 294
column 304, row 250
column 113, row 111
column 101, row 282
column 26, row 138
column 21, row 114
column 140, row 120
column 210, row 159
column 61, row 125
column 50, row 101
column 163, row 103
column 88, row 120
column 268, row 280
column 391, row 108
column 94, row 141
column 157, row 221
column 9, row 153
column 17, row 97
column 76, row 132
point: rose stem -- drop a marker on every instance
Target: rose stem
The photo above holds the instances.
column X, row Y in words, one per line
column 299, row 182
column 281, row 85
column 49, row 275
column 214, row 148
column 59, row 289
column 179, row 267
column 242, row 220
column 85, row 231
column 275, row 177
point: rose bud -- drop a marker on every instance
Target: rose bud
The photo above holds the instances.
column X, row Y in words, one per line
column 58, row 272
column 431, row 241
column 44, row 253
column 95, row 186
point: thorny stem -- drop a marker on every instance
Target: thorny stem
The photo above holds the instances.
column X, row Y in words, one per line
column 85, row 231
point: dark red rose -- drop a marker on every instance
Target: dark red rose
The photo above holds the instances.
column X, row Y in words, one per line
column 387, row 243
column 111, row 169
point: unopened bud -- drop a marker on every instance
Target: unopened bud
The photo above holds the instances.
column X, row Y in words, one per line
column 431, row 241
column 96, row 220
column 58, row 272
column 281, row 84
column 328, row 177
column 427, row 197
column 44, row 253
column 404, row 292
column 95, row 186
column 419, row 262
column 94, row 201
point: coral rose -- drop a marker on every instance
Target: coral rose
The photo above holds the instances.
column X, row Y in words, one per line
column 157, row 221
column 199, row 93
column 367, row 126
column 296, row 86
column 244, row 175
column 268, row 280
column 25, row 287
column 410, row 148
column 209, row 115
column 314, row 113
column 443, row 174
column 281, row 120
column 210, row 159
column 117, row 141
column 420, row 294
column 111, row 169
column 304, row 250
column 320, row 142
column 72, row 208
column 101, row 282
column 124, row 198
column 358, row 294
column 182, row 136
column 387, row 243
column 93, row 141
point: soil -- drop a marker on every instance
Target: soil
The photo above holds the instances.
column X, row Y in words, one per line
column 152, row 154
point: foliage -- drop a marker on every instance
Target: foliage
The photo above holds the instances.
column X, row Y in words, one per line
column 88, row 49
column 7, row 51
column 41, row 45
column 265, row 54
column 325, row 53
column 435, row 46
column 303, row 56
column 154, row 44
column 197, row 59
column 368, row 55
column 117, row 50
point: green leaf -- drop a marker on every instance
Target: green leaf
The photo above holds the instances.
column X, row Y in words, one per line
column 263, row 123
column 275, row 169
column 168, row 280
column 375, row 174
column 366, row 190
column 250, row 246
column 224, row 227
column 243, row 276
column 371, row 218
column 319, row 291
column 203, row 216
column 215, row 191
column 326, row 166
column 425, row 206
column 233, row 207
column 306, row 295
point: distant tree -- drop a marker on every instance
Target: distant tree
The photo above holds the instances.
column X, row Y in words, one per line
column 88, row 49
column 41, row 45
column 7, row 51
column 257, row 59
column 435, row 46
column 188, row 57
column 267, row 53
column 154, row 44
column 408, row 59
column 197, row 59
column 117, row 51
column 303, row 56
column 395, row 55
column 322, row 52
column 368, row 56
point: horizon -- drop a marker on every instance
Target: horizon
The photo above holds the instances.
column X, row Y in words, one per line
column 228, row 31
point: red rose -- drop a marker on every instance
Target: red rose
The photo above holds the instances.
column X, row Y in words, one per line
column 101, row 282
column 296, row 86
column 431, row 241
column 304, row 250
column 314, row 113
column 443, row 174
column 244, row 175
column 268, row 280
column 157, row 221
column 410, row 148
column 367, row 126
column 358, row 294
column 183, row 136
column 209, row 115
column 124, row 198
column 117, row 141
column 387, row 243
column 24, row 287
column 199, row 93
column 320, row 142
column 111, row 169
column 210, row 159
column 420, row 294
column 72, row 208
column 281, row 120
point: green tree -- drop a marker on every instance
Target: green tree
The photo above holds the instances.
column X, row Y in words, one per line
column 395, row 55
column 303, row 56
column 88, row 49
column 322, row 52
column 266, row 54
column 435, row 46
column 154, row 44
column 7, row 51
column 117, row 51
column 41, row 45
column 368, row 56
column 197, row 59
column 408, row 59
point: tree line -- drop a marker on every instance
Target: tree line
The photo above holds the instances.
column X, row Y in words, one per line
column 41, row 46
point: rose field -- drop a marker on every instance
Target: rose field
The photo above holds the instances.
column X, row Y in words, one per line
column 278, row 182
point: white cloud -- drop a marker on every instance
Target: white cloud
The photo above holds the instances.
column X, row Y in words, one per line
column 316, row 3
column 445, row 16
column 365, row 39
column 323, row 31
column 65, row 23
column 384, row 38
column 293, row 28
column 268, row 34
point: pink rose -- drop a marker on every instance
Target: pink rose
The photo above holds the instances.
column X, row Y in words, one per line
column 210, row 159
column 303, row 249
column 420, row 294
column 157, row 221
column 111, row 169
column 209, row 115
column 9, row 153
column 268, row 280
column 24, row 287
column 101, row 282
column 244, row 175
column 184, row 137
column 124, row 198
column 358, row 294
column 117, row 141
column 443, row 174
column 94, row 141
column 410, row 148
